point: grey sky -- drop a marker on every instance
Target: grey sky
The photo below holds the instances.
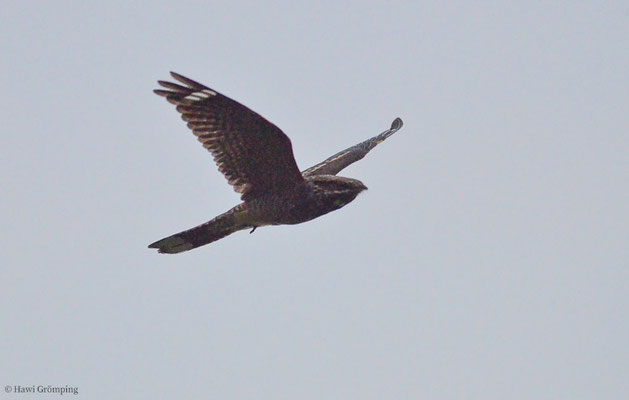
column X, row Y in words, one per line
column 487, row 260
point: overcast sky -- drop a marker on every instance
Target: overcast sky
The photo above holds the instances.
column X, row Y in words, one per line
column 487, row 260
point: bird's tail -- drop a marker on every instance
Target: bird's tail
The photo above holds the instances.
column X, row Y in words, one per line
column 217, row 228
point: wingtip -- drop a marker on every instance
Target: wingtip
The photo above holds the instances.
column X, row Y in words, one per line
column 187, row 81
column 397, row 123
column 180, row 78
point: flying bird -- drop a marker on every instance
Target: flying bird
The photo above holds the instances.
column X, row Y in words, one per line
column 257, row 159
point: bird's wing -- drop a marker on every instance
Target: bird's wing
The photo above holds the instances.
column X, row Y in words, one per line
column 342, row 159
column 254, row 155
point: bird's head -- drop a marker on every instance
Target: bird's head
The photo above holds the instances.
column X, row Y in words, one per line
column 333, row 192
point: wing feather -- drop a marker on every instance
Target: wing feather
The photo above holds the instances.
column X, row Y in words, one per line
column 334, row 164
column 254, row 155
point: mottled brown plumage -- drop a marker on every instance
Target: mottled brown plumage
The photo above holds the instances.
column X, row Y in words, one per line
column 257, row 159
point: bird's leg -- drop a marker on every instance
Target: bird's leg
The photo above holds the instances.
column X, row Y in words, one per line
column 254, row 228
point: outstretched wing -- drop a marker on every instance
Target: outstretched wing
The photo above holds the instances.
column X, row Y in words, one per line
column 342, row 159
column 254, row 155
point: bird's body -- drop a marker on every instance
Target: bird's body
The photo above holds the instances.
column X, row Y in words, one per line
column 256, row 158
column 316, row 196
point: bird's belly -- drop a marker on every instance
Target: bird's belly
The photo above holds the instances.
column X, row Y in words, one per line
column 282, row 211
column 302, row 212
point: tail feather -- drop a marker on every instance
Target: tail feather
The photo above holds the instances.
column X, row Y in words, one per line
column 217, row 228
